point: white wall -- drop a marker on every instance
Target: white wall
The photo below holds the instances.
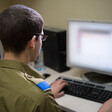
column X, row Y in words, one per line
column 4, row 4
column 57, row 12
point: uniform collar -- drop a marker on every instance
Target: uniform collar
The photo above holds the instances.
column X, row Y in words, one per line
column 12, row 64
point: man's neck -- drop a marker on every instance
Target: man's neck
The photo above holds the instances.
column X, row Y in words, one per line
column 22, row 57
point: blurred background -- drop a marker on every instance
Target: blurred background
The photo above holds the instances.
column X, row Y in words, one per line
column 57, row 12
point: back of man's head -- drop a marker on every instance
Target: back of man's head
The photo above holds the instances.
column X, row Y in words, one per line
column 18, row 24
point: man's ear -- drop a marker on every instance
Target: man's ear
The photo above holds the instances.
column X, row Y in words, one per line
column 32, row 42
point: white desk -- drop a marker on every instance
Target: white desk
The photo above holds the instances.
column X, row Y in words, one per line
column 70, row 103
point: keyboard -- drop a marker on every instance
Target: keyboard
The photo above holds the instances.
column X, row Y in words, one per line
column 87, row 90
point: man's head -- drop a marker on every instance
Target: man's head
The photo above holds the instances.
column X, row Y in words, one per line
column 18, row 24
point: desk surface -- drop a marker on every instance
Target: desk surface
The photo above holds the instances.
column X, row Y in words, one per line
column 70, row 103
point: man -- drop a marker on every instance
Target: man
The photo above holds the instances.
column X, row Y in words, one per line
column 22, row 89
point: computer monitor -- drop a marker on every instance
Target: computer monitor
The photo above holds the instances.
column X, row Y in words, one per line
column 89, row 45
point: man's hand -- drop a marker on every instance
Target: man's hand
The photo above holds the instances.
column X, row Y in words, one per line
column 106, row 107
column 57, row 86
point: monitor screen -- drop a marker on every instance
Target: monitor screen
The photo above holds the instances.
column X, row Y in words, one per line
column 89, row 45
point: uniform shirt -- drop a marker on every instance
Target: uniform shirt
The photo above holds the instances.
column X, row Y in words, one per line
column 19, row 94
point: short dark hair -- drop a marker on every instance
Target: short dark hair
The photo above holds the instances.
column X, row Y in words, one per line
column 18, row 24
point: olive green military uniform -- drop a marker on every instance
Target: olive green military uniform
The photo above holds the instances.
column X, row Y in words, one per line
column 19, row 93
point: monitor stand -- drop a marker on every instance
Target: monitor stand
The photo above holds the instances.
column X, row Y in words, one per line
column 97, row 77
